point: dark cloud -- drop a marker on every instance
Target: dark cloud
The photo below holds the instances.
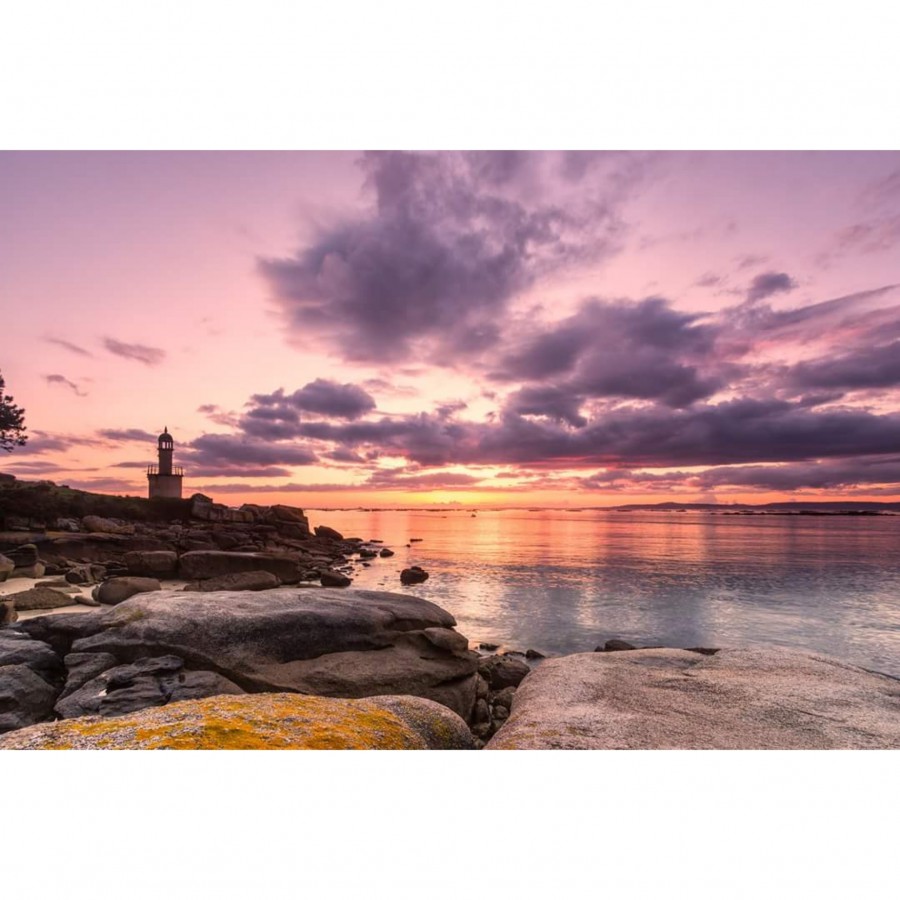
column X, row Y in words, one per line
column 128, row 434
column 68, row 345
column 150, row 356
column 343, row 455
column 710, row 279
column 769, row 283
column 553, row 402
column 35, row 467
column 216, row 414
column 876, row 367
column 640, row 350
column 107, row 486
column 736, row 431
column 228, row 454
column 452, row 238
column 321, row 397
column 46, row 442
column 830, row 475
column 426, row 481
column 61, row 379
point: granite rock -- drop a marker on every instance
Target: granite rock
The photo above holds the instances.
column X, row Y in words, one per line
column 752, row 699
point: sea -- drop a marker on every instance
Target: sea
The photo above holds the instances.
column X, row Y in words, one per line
column 565, row 581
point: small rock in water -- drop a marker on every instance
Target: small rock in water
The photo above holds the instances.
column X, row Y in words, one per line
column 330, row 578
column 386, row 552
column 484, row 645
column 502, row 671
column 615, row 645
column 413, row 575
column 534, row 654
column 415, row 540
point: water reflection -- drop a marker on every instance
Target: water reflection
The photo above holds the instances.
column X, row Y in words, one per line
column 563, row 581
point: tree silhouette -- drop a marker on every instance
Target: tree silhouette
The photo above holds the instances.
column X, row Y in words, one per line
column 12, row 421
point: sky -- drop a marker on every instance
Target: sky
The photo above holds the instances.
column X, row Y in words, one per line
column 340, row 329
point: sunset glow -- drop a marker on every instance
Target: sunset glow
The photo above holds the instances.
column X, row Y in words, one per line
column 477, row 329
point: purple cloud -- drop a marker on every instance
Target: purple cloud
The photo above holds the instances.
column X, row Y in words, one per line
column 128, row 434
column 61, row 379
column 321, row 397
column 149, row 356
column 451, row 239
column 769, row 283
column 68, row 345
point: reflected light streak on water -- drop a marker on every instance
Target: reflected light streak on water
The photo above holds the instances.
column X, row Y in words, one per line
column 563, row 582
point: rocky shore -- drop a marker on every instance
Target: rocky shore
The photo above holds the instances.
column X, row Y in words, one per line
column 237, row 628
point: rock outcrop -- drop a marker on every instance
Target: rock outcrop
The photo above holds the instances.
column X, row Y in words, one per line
column 152, row 563
column 238, row 581
column 125, row 689
column 769, row 698
column 39, row 598
column 260, row 722
column 25, row 698
column 30, row 680
column 201, row 564
column 117, row 590
column 335, row 643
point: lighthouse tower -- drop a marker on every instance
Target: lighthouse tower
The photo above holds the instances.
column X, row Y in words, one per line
column 164, row 479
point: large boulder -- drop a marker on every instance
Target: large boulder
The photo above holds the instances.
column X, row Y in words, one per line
column 260, row 722
column 25, row 698
column 19, row 649
column 328, row 534
column 40, row 598
column 6, row 567
column 98, row 547
column 147, row 682
column 337, row 643
column 22, row 556
column 117, row 590
column 334, row 579
column 290, row 521
column 200, row 564
column 99, row 525
column 502, row 671
column 152, row 563
column 237, row 581
column 754, row 699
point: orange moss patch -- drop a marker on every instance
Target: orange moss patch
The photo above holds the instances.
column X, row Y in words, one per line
column 247, row 722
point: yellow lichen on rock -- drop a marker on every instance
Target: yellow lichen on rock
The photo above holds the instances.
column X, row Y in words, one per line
column 253, row 722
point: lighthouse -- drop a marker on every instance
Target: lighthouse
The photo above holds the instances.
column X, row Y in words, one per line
column 164, row 479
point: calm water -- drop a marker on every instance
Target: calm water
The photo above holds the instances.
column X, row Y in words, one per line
column 563, row 581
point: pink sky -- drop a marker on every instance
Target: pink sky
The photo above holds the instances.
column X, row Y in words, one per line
column 329, row 329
